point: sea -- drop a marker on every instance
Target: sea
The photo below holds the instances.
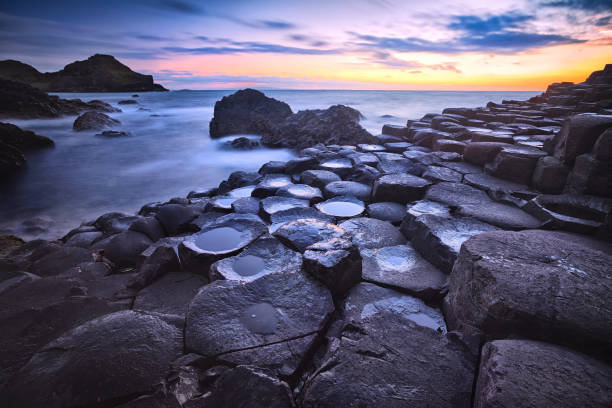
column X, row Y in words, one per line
column 169, row 151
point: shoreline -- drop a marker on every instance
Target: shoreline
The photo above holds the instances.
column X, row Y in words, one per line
column 465, row 241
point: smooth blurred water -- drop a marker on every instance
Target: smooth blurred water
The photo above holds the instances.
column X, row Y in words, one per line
column 170, row 154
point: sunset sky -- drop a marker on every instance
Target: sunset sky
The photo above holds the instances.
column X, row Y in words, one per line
column 320, row 44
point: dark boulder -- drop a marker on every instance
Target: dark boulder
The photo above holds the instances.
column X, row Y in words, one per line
column 515, row 164
column 111, row 134
column 98, row 363
column 521, row 373
column 124, row 249
column 336, row 125
column 175, row 218
column 11, row 159
column 128, row 102
column 244, row 143
column 248, row 386
column 550, row 175
column 391, row 361
column 590, row 176
column 247, row 112
column 541, row 285
column 270, row 309
column 24, row 140
column 18, row 100
column 455, row 194
column 93, row 121
column 481, row 153
column 578, row 135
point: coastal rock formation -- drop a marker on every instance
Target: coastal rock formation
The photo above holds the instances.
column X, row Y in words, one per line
column 247, row 112
column 99, row 73
column 338, row 124
column 19, row 100
column 14, row 142
column 257, row 293
column 93, row 121
column 251, row 112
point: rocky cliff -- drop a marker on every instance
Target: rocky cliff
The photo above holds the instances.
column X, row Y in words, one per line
column 99, row 73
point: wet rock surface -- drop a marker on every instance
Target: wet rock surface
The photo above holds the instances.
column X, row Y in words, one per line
column 538, row 284
column 93, row 121
column 264, row 256
column 372, row 233
column 521, row 373
column 393, row 362
column 274, row 308
column 62, row 370
column 290, row 296
column 402, row 267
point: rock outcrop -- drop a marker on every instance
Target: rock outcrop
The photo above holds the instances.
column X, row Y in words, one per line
column 14, row 142
column 99, row 73
column 19, row 100
column 251, row 112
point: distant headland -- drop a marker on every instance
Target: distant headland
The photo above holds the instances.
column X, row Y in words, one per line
column 98, row 73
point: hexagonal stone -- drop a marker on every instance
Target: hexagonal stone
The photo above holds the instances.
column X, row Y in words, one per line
column 302, row 192
column 402, row 267
column 274, row 204
column 341, row 207
column 438, row 239
column 399, row 187
column 264, row 256
column 348, row 188
column 170, row 294
column 390, row 361
column 270, row 184
column 400, row 166
column 300, row 164
column 455, row 194
column 340, row 166
column 541, row 285
column 505, row 216
column 232, row 315
column 301, row 233
column 222, row 238
column 372, row 233
column 387, row 211
column 104, row 357
column 282, row 217
column 336, row 263
column 366, row 300
column 246, row 205
column 318, row 178
column 496, row 185
column 522, row 373
column 246, row 386
column 419, row 208
column 438, row 173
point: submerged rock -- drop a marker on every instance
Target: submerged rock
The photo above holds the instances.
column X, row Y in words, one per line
column 93, row 121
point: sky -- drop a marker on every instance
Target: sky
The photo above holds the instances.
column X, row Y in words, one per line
column 320, row 44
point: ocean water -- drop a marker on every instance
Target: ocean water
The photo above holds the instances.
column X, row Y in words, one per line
column 169, row 152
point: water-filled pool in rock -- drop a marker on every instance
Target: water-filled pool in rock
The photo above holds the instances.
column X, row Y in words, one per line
column 261, row 318
column 341, row 208
column 219, row 239
column 248, row 265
